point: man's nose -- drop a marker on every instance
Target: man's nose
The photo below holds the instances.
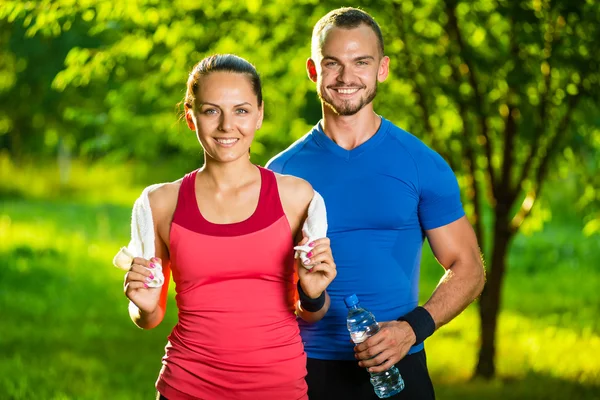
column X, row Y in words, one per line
column 345, row 75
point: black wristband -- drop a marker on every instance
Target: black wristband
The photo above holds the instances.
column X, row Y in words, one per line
column 421, row 323
column 308, row 304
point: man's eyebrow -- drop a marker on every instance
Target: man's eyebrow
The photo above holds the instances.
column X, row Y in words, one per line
column 360, row 58
column 364, row 58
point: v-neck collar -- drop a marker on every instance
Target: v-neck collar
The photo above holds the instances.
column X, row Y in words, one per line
column 339, row 151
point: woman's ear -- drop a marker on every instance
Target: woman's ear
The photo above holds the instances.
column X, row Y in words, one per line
column 261, row 115
column 189, row 116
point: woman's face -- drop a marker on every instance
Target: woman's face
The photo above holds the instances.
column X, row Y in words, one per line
column 225, row 115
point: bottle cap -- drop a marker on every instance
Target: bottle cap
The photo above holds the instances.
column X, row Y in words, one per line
column 351, row 300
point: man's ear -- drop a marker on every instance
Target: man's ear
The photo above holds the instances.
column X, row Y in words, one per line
column 384, row 69
column 189, row 118
column 311, row 69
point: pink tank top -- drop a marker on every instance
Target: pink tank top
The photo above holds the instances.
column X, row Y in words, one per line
column 237, row 335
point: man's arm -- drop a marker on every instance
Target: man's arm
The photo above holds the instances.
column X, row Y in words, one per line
column 455, row 247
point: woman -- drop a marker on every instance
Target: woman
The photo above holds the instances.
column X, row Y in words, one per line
column 227, row 231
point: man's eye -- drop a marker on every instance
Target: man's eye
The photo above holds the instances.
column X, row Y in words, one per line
column 330, row 64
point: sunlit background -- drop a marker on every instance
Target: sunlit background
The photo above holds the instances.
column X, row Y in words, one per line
column 507, row 91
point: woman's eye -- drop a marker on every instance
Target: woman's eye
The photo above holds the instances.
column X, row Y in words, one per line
column 210, row 111
column 241, row 111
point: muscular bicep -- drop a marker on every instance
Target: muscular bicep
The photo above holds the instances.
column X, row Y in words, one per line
column 454, row 242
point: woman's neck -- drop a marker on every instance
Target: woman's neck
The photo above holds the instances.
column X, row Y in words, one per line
column 229, row 175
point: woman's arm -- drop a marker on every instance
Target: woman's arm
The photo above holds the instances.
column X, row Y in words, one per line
column 314, row 277
column 148, row 305
column 314, row 301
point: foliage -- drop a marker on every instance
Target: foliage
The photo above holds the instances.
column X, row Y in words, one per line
column 65, row 332
column 493, row 86
column 507, row 91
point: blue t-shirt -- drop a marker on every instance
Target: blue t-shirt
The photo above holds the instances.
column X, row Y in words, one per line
column 380, row 198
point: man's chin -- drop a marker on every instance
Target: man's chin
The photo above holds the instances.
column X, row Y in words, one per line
column 343, row 111
column 347, row 113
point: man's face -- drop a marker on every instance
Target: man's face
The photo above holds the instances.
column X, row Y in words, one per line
column 347, row 68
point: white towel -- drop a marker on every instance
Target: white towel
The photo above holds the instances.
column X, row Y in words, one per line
column 315, row 226
column 142, row 234
column 141, row 243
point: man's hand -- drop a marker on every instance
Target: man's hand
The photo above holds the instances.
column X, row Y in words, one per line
column 388, row 346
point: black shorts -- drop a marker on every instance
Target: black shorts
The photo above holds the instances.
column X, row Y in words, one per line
column 332, row 379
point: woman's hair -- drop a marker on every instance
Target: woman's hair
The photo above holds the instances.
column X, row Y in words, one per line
column 221, row 63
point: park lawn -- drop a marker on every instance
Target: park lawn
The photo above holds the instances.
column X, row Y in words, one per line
column 65, row 333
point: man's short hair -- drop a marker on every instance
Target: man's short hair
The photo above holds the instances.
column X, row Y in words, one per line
column 348, row 18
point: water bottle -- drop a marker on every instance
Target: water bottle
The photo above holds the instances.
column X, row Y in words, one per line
column 362, row 325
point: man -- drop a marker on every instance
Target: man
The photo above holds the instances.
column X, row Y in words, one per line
column 385, row 191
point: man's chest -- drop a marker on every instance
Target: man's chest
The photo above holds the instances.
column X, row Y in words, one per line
column 361, row 198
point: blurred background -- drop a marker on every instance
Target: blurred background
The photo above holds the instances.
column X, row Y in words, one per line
column 507, row 91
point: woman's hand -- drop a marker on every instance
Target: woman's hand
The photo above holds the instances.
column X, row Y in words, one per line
column 314, row 281
column 136, row 285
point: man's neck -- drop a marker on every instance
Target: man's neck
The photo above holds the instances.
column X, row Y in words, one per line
column 350, row 131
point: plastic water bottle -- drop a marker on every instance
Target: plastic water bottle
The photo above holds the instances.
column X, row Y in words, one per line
column 362, row 325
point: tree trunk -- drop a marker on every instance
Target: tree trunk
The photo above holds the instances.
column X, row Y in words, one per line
column 63, row 158
column 489, row 303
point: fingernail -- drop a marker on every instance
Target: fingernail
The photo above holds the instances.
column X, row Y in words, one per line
column 151, row 265
column 145, row 285
column 148, row 280
column 309, row 254
column 312, row 244
column 151, row 276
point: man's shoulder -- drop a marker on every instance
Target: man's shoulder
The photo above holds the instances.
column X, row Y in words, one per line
column 278, row 162
column 406, row 139
column 418, row 150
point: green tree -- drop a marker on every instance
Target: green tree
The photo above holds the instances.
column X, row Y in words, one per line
column 127, row 63
column 504, row 90
column 507, row 91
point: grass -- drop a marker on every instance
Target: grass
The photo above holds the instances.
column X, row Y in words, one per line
column 65, row 333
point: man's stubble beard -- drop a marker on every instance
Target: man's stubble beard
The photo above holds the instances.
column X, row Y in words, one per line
column 346, row 108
